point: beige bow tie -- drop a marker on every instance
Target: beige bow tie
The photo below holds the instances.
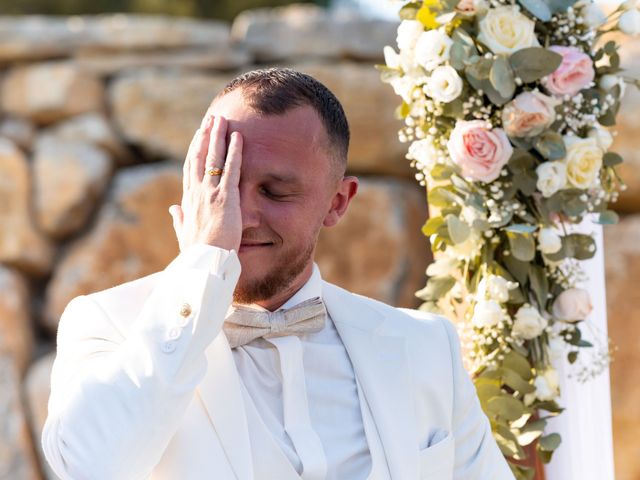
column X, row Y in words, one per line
column 246, row 324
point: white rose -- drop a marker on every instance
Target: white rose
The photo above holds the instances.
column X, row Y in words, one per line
column 547, row 385
column 552, row 176
column 583, row 161
column 445, row 85
column 408, row 33
column 549, row 241
column 572, row 305
column 629, row 22
column 602, row 136
column 487, row 313
column 593, row 15
column 506, row 30
column 495, row 287
column 432, row 48
column 528, row 323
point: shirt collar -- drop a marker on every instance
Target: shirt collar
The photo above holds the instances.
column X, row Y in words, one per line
column 311, row 289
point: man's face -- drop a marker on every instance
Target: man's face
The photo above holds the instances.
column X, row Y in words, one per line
column 286, row 188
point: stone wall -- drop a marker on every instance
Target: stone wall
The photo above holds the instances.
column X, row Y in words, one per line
column 96, row 114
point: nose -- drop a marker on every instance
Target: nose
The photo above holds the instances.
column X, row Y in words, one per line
column 249, row 209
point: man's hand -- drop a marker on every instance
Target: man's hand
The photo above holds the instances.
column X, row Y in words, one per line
column 210, row 208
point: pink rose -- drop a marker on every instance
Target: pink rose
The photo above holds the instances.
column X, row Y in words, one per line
column 572, row 305
column 480, row 151
column 574, row 73
column 529, row 114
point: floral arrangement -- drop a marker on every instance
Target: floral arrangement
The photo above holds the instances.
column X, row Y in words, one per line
column 507, row 106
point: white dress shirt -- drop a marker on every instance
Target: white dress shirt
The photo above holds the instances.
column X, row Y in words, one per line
column 306, row 393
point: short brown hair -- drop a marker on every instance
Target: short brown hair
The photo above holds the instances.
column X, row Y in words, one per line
column 275, row 91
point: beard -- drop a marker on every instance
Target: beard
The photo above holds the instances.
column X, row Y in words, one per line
column 288, row 268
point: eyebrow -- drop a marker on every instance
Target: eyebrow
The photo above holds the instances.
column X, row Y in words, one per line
column 283, row 178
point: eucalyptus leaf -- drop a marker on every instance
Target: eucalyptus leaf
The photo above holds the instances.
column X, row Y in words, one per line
column 522, row 246
column 458, row 55
column 608, row 217
column 531, row 431
column 516, row 382
column 521, row 228
column 611, row 159
column 441, row 197
column 409, row 11
column 550, row 145
column 458, row 230
column 501, row 77
column 431, row 226
column 505, row 406
column 436, row 288
column 518, row 363
column 517, row 268
column 479, row 67
column 549, row 442
column 441, row 172
column 533, row 63
column 521, row 161
column 539, row 284
column 537, row 8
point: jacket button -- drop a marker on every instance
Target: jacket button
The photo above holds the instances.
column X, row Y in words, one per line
column 174, row 333
column 168, row 347
column 185, row 310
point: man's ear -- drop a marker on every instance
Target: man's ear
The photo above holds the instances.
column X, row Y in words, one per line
column 346, row 190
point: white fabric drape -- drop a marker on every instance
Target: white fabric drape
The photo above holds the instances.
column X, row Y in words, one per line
column 586, row 452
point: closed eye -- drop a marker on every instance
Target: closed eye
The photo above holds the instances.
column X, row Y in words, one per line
column 273, row 195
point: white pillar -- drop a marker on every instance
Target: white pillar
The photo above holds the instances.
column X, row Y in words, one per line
column 586, row 451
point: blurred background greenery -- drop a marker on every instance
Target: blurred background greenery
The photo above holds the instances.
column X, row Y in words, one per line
column 219, row 9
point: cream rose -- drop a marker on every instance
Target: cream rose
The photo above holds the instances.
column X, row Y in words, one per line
column 572, row 305
column 528, row 323
column 432, row 49
column 506, row 30
column 444, row 85
column 529, row 114
column 479, row 150
column 574, row 73
column 552, row 176
column 549, row 241
column 583, row 161
column 487, row 313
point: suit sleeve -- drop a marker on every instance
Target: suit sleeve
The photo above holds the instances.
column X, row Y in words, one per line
column 477, row 454
column 117, row 398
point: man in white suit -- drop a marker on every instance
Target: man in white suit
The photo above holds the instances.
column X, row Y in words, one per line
column 238, row 361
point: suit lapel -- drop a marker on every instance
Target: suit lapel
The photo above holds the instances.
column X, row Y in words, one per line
column 380, row 362
column 221, row 395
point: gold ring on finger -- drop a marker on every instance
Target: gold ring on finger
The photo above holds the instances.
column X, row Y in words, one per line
column 215, row 171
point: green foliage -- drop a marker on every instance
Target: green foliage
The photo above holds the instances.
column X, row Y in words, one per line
column 533, row 63
column 219, row 9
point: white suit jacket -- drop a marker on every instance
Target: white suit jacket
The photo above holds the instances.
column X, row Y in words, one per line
column 141, row 391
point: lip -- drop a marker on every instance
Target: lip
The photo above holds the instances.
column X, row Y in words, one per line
column 246, row 247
